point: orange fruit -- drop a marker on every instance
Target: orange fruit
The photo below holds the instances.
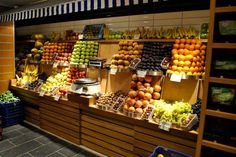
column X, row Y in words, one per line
column 196, row 69
column 187, row 46
column 175, row 62
column 191, row 47
column 199, row 42
column 193, row 41
column 176, row 46
column 202, row 63
column 195, row 53
column 174, row 67
column 181, row 51
column 181, row 63
column 186, row 69
column 203, row 52
column 189, row 57
column 176, row 56
column 198, row 64
column 182, row 41
column 203, row 57
column 177, row 41
column 193, row 64
column 187, row 63
column 181, row 46
column 186, row 52
column 176, row 72
column 188, row 41
column 181, row 57
column 198, row 58
column 197, row 47
column 179, row 69
column 174, row 51
column 194, row 59
column 189, row 73
column 191, row 69
column 203, row 47
column 195, row 74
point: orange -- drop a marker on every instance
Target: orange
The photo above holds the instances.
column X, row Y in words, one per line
column 187, row 46
column 174, row 51
column 189, row 57
column 188, row 41
column 194, row 59
column 176, row 72
column 177, row 41
column 186, row 69
column 191, row 69
column 187, row 63
column 198, row 64
column 193, row 41
column 199, row 42
column 193, row 64
column 203, row 47
column 197, row 47
column 176, row 46
column 181, row 46
column 202, row 63
column 203, row 57
column 182, row 41
column 181, row 57
column 174, row 67
column 175, row 62
column 181, row 63
column 198, row 58
column 195, row 74
column 191, row 47
column 181, row 51
column 203, row 52
column 189, row 73
column 179, row 69
column 196, row 69
column 176, row 56
column 186, row 52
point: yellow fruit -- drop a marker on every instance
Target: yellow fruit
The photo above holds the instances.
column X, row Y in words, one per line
column 181, row 63
column 176, row 56
column 179, row 69
column 186, row 69
column 189, row 73
column 176, row 62
column 174, row 67
column 160, row 155
column 181, row 57
column 187, row 63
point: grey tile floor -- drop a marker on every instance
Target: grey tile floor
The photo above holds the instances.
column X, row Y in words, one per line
column 22, row 140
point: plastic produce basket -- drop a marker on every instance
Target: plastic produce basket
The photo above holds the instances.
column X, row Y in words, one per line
column 167, row 152
column 12, row 113
column 93, row 32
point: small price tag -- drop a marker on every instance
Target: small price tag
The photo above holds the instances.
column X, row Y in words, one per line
column 113, row 71
column 55, row 65
column 134, row 63
column 175, row 78
column 81, row 36
column 141, row 73
column 165, row 126
column 136, row 36
column 57, row 97
column 41, row 93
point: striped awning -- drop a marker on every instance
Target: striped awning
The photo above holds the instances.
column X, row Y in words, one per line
column 69, row 7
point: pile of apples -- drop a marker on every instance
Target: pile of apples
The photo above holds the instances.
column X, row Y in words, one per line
column 75, row 73
column 83, row 51
column 59, row 52
column 128, row 50
column 143, row 92
column 188, row 57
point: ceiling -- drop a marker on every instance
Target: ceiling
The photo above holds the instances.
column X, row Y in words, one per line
column 6, row 5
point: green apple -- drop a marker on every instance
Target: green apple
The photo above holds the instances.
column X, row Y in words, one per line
column 81, row 61
column 83, row 49
column 95, row 54
column 87, row 57
column 82, row 56
column 88, row 46
column 82, row 53
column 86, row 60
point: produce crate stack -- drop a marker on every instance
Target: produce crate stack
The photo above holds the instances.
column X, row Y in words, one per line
column 11, row 109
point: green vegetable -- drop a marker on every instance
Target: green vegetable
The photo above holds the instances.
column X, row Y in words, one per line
column 8, row 97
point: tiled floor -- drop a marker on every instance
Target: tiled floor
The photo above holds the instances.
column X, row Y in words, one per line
column 26, row 141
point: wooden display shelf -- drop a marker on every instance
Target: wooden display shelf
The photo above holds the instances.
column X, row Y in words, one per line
column 222, row 147
column 220, row 114
column 225, row 9
column 222, row 80
column 224, row 45
column 137, row 40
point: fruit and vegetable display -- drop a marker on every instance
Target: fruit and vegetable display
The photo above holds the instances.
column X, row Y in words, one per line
column 56, row 80
column 75, row 73
column 83, row 51
column 128, row 50
column 115, row 35
column 7, row 97
column 171, row 33
column 188, row 57
column 94, row 31
column 153, row 54
column 109, row 98
column 30, row 74
column 57, row 52
column 142, row 93
column 179, row 113
column 33, row 85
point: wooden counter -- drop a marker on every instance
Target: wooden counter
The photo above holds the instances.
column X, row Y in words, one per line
column 106, row 132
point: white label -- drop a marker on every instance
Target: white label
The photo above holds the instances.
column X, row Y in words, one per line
column 57, row 97
column 136, row 36
column 141, row 73
column 41, row 93
column 81, row 36
column 175, row 78
column 165, row 126
column 55, row 65
column 113, row 71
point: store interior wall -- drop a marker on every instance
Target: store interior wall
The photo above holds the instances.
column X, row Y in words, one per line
column 7, row 55
column 122, row 23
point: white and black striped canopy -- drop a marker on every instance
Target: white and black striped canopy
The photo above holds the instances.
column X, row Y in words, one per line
column 69, row 7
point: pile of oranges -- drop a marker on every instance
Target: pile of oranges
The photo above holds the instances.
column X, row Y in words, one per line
column 188, row 57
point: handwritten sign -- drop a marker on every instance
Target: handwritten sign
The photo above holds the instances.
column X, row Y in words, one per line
column 141, row 73
column 113, row 71
column 175, row 78
column 165, row 126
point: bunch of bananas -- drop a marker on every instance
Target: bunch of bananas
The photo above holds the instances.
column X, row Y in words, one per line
column 171, row 33
column 30, row 74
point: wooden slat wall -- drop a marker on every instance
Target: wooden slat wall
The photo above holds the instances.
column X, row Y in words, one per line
column 114, row 137
column 7, row 59
column 61, row 118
